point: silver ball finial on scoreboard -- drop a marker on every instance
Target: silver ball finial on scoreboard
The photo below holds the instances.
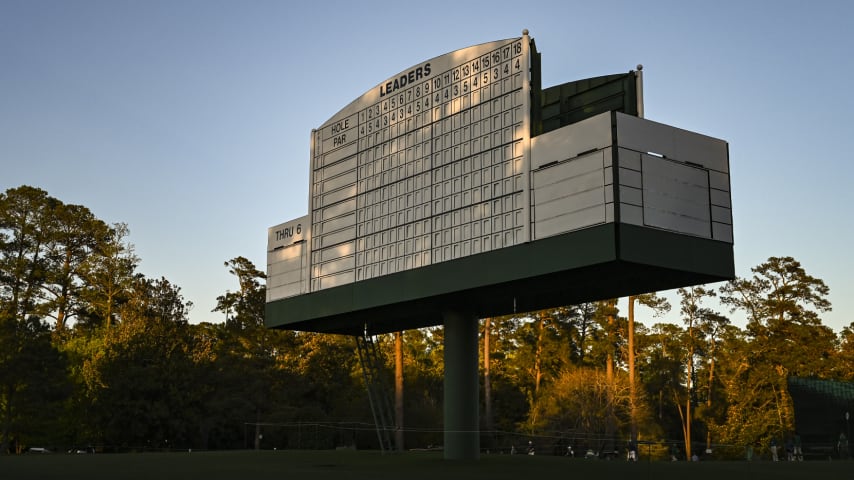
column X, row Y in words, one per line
column 524, row 31
column 640, row 67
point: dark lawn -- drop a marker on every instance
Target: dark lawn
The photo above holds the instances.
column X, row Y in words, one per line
column 347, row 465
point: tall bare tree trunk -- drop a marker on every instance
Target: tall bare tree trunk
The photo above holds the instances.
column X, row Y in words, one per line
column 537, row 372
column 632, row 387
column 398, row 391
column 690, row 384
column 609, row 372
column 609, row 362
column 709, row 398
column 487, row 381
column 688, row 428
column 538, row 360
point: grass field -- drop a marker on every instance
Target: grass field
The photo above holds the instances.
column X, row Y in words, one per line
column 355, row 465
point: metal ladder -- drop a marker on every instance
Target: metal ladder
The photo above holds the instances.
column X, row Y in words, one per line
column 375, row 384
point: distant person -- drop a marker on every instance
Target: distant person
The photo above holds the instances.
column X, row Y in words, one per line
column 569, row 452
column 842, row 446
column 530, row 447
column 798, row 450
column 773, row 446
column 632, row 451
column 790, row 450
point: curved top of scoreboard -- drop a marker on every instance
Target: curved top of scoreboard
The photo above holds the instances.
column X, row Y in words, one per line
column 422, row 72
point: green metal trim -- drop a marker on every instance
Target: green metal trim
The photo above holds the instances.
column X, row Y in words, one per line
column 650, row 246
column 575, row 267
column 572, row 102
column 502, row 266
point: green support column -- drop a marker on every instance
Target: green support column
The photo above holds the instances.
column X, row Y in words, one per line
column 462, row 428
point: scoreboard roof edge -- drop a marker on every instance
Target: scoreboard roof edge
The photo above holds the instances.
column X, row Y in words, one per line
column 373, row 94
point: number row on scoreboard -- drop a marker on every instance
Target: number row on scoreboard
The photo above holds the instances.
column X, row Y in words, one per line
column 422, row 111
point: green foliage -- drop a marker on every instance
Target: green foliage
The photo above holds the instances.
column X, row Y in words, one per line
column 111, row 356
column 784, row 336
column 33, row 382
column 583, row 404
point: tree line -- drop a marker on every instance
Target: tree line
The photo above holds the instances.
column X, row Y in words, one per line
column 95, row 355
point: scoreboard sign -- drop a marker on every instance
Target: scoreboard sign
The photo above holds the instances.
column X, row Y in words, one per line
column 403, row 176
column 428, row 191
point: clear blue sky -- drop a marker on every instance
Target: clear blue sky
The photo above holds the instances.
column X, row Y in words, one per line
column 189, row 120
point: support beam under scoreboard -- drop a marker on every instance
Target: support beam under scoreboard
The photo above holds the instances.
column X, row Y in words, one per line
column 462, row 430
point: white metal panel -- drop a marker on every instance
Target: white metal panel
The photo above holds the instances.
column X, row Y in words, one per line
column 343, row 208
column 630, row 159
column 339, row 154
column 567, row 204
column 337, row 195
column 673, row 221
column 283, row 291
column 646, row 136
column 287, row 266
column 337, row 251
column 284, row 278
column 335, row 224
column 631, row 195
column 280, row 273
column 287, row 276
column 343, row 235
column 568, row 169
column 643, row 136
column 721, row 215
column 568, row 222
column 569, row 195
column 330, row 171
column 673, row 173
column 320, row 283
column 709, row 152
column 676, row 197
column 571, row 186
column 630, row 178
column 688, row 202
column 690, row 210
column 632, row 214
column 719, row 181
column 675, row 178
column 720, row 198
column 609, row 193
column 722, row 232
column 569, row 141
column 333, row 183
column 287, row 270
column 335, row 266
